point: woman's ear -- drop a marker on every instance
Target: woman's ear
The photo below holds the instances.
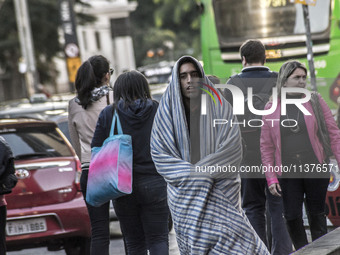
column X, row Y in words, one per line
column 106, row 78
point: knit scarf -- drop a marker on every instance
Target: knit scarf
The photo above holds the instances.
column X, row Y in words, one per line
column 97, row 93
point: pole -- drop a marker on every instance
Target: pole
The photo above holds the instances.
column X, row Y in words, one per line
column 29, row 45
column 309, row 44
column 71, row 49
column 26, row 45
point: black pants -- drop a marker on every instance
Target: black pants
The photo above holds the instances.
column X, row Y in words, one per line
column 308, row 181
column 3, row 215
column 294, row 191
column 144, row 216
column 256, row 199
column 100, row 222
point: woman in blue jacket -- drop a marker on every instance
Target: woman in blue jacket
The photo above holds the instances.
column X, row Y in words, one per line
column 143, row 215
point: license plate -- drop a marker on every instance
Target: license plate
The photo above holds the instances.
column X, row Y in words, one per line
column 20, row 227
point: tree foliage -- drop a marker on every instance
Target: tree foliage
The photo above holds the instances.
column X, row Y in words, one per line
column 157, row 21
column 45, row 24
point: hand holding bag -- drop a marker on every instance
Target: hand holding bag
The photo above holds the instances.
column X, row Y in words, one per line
column 110, row 172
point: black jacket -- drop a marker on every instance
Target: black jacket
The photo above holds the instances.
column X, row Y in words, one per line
column 256, row 77
column 136, row 120
column 7, row 178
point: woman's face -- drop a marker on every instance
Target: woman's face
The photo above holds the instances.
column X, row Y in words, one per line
column 297, row 79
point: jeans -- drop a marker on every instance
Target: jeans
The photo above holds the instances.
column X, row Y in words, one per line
column 255, row 198
column 144, row 216
column 3, row 214
column 100, row 222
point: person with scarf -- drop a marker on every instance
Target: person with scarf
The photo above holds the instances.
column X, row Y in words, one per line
column 185, row 144
column 293, row 149
column 93, row 95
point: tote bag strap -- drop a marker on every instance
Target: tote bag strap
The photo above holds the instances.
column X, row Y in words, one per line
column 114, row 120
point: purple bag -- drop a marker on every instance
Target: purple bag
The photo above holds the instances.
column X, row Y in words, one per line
column 110, row 172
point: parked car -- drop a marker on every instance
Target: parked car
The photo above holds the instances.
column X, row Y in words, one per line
column 46, row 208
column 62, row 121
column 34, row 108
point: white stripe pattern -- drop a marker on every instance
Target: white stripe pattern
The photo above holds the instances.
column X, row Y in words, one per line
column 205, row 207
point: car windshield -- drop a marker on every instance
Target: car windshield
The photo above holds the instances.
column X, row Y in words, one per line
column 35, row 142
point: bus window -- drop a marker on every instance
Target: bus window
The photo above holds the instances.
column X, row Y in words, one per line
column 277, row 22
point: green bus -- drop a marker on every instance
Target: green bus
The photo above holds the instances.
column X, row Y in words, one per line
column 279, row 24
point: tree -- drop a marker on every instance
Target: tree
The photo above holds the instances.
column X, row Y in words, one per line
column 156, row 21
column 45, row 23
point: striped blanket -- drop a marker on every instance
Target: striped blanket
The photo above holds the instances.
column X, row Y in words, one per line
column 205, row 207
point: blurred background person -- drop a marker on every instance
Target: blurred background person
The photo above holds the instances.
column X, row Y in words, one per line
column 299, row 146
column 6, row 169
column 93, row 94
column 263, row 210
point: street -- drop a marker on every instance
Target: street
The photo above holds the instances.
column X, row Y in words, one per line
column 116, row 248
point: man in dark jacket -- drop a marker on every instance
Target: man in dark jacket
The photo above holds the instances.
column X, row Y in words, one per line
column 253, row 187
column 7, row 182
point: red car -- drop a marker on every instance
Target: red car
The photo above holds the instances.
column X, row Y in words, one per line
column 46, row 208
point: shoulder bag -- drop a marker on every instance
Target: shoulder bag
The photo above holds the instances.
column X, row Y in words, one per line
column 110, row 171
column 322, row 128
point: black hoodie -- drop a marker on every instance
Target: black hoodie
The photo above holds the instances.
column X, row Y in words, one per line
column 136, row 120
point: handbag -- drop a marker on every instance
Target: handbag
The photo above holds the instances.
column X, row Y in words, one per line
column 110, row 171
column 322, row 128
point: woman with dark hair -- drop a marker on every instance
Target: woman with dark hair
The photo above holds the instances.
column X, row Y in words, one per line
column 296, row 146
column 93, row 94
column 143, row 215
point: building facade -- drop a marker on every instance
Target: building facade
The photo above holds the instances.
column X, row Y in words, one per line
column 109, row 36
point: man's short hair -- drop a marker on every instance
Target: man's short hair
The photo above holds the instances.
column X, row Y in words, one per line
column 253, row 51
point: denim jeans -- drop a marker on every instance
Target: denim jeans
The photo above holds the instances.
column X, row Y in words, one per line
column 100, row 222
column 144, row 216
column 3, row 214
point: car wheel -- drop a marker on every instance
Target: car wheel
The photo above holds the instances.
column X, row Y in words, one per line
column 77, row 246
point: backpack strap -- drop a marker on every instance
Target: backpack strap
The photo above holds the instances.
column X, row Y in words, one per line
column 267, row 87
column 237, row 80
column 115, row 131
